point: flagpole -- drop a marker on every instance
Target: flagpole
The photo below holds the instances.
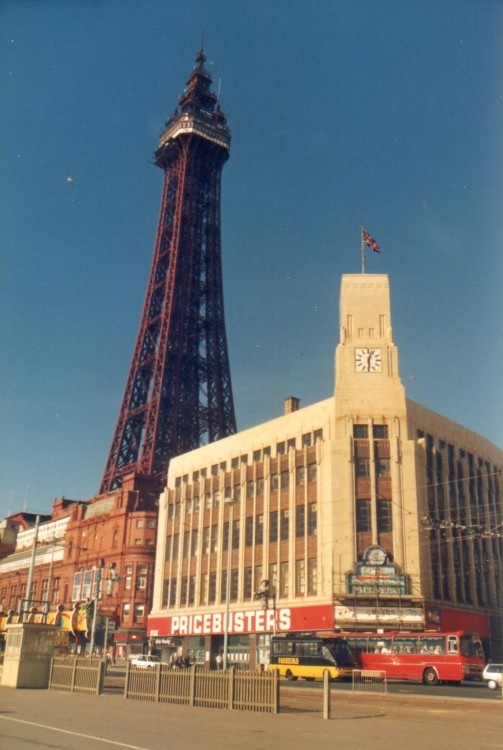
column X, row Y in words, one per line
column 363, row 251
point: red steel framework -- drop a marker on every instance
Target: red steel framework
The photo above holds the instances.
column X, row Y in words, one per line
column 178, row 393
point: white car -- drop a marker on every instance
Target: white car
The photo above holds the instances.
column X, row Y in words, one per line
column 146, row 661
column 493, row 673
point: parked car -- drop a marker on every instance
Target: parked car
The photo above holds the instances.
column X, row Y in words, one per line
column 146, row 661
column 493, row 673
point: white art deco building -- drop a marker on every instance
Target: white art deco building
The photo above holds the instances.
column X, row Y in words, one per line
column 365, row 511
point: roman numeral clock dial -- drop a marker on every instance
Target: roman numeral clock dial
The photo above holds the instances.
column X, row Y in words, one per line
column 368, row 360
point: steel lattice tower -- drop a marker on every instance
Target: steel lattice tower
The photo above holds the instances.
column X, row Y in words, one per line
column 178, row 393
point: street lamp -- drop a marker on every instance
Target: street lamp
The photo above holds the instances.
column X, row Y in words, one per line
column 228, row 585
column 97, row 591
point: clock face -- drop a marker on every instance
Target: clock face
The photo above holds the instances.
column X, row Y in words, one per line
column 368, row 360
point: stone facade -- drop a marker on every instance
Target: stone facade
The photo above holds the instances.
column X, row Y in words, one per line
column 363, row 511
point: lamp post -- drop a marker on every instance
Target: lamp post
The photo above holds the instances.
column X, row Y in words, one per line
column 228, row 586
column 97, row 588
column 29, row 585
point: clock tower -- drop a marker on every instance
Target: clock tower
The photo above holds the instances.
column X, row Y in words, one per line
column 366, row 368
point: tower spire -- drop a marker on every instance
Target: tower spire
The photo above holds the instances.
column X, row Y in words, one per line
column 178, row 392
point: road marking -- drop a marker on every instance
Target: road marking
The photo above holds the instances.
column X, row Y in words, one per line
column 75, row 734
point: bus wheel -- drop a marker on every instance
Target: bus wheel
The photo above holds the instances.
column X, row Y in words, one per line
column 430, row 677
column 309, row 679
column 289, row 675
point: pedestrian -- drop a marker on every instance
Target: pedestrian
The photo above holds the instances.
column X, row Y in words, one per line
column 219, row 660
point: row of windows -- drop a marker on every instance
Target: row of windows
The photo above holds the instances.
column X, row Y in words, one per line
column 306, row 440
column 306, row 520
column 306, row 575
column 253, row 488
column 382, row 467
column 379, row 431
column 10, row 597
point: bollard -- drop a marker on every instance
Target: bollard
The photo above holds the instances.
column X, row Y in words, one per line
column 326, row 694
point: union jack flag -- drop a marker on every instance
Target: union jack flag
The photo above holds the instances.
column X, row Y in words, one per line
column 370, row 241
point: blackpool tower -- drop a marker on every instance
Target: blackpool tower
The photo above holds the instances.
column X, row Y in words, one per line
column 178, row 392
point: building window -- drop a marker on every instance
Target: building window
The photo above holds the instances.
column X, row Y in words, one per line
column 260, row 486
column 281, row 449
column 212, row 589
column 285, row 480
column 384, row 516
column 300, row 475
column 203, row 589
column 307, row 439
column 115, row 539
column 172, row 593
column 183, row 591
column 285, row 524
column 248, row 583
column 360, row 431
column 283, row 579
column 273, row 526
column 235, row 534
column 312, row 576
column 225, row 544
column 214, row 538
column 126, row 609
column 141, row 577
column 380, row 431
column 362, row 467
column 186, row 544
column 274, row 482
column 249, row 489
column 259, row 576
column 128, row 580
column 259, row 530
column 249, row 531
column 382, row 467
column 312, row 518
column 55, row 590
column 300, row 520
column 363, row 519
column 311, row 473
column 139, row 612
column 139, row 523
column 234, row 584
column 300, row 577
column 192, row 590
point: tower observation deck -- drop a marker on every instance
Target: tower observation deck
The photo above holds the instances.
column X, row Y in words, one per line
column 178, row 392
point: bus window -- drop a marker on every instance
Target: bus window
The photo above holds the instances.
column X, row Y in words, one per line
column 405, row 645
column 357, row 645
column 380, row 645
column 435, row 645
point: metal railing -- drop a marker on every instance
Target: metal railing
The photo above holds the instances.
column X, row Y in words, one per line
column 370, row 681
column 228, row 689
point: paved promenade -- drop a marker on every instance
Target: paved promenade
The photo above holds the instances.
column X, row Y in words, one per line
column 48, row 719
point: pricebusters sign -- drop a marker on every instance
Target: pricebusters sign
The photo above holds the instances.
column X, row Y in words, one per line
column 280, row 620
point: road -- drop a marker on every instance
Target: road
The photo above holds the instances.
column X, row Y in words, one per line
column 476, row 690
column 53, row 720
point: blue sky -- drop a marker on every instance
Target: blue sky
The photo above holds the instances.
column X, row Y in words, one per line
column 387, row 113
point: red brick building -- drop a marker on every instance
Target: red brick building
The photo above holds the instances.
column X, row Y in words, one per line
column 111, row 537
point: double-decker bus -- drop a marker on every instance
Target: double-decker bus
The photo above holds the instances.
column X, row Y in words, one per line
column 310, row 657
column 429, row 657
